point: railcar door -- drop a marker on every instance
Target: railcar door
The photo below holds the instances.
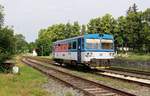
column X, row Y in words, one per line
column 79, row 51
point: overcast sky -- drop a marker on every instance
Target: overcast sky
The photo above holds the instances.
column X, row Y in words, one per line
column 29, row 16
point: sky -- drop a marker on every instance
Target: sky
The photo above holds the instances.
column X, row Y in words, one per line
column 29, row 16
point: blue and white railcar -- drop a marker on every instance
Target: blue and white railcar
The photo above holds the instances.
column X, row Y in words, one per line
column 94, row 50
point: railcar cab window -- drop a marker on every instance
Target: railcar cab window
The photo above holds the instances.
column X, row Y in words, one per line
column 107, row 44
column 92, row 43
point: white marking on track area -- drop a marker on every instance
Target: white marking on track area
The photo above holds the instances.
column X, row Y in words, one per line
column 127, row 77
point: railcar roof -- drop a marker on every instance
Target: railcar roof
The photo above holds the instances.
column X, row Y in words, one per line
column 68, row 39
column 107, row 36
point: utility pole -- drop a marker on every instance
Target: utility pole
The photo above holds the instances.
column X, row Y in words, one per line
column 42, row 49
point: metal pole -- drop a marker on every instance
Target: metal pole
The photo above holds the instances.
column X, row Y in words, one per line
column 42, row 50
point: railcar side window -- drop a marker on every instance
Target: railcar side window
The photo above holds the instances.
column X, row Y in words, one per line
column 70, row 46
column 74, row 44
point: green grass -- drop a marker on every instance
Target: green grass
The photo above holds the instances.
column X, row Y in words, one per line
column 119, row 84
column 27, row 83
column 136, row 57
column 107, row 81
column 47, row 57
column 104, row 80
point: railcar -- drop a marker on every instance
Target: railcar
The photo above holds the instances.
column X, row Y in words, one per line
column 93, row 50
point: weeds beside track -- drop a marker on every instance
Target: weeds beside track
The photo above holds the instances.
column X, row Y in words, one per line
column 90, row 88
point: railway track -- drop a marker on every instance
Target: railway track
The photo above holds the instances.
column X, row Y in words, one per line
column 142, row 78
column 126, row 73
column 124, row 76
column 88, row 87
column 146, row 73
column 136, row 77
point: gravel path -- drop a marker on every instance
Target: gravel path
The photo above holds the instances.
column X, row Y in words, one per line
column 57, row 88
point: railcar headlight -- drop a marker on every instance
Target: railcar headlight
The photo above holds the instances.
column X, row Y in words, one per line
column 110, row 54
column 89, row 54
column 100, row 54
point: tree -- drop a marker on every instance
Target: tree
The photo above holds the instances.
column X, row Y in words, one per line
column 132, row 9
column 72, row 30
column 76, row 29
column 54, row 33
column 31, row 46
column 6, row 44
column 21, row 45
column 6, row 40
column 146, row 29
column 120, row 32
column 83, row 29
column 1, row 16
column 134, row 30
column 130, row 31
column 108, row 24
column 44, row 42
column 94, row 25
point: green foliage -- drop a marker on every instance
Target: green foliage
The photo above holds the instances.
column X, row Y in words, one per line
column 23, row 84
column 94, row 26
column 7, row 40
column 106, row 24
column 6, row 44
column 54, row 33
column 119, row 32
column 130, row 31
column 1, row 16
column 9, row 43
column 31, row 46
column 21, row 45
column 44, row 47
column 83, row 29
column 146, row 29
column 137, row 57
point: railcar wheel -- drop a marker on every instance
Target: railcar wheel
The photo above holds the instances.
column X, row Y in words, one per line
column 74, row 63
column 60, row 62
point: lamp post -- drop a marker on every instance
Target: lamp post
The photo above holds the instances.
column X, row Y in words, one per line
column 122, row 37
column 42, row 49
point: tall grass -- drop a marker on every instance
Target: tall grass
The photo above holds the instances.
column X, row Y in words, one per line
column 136, row 57
column 27, row 83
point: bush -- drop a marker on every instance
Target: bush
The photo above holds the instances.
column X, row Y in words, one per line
column 3, row 57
